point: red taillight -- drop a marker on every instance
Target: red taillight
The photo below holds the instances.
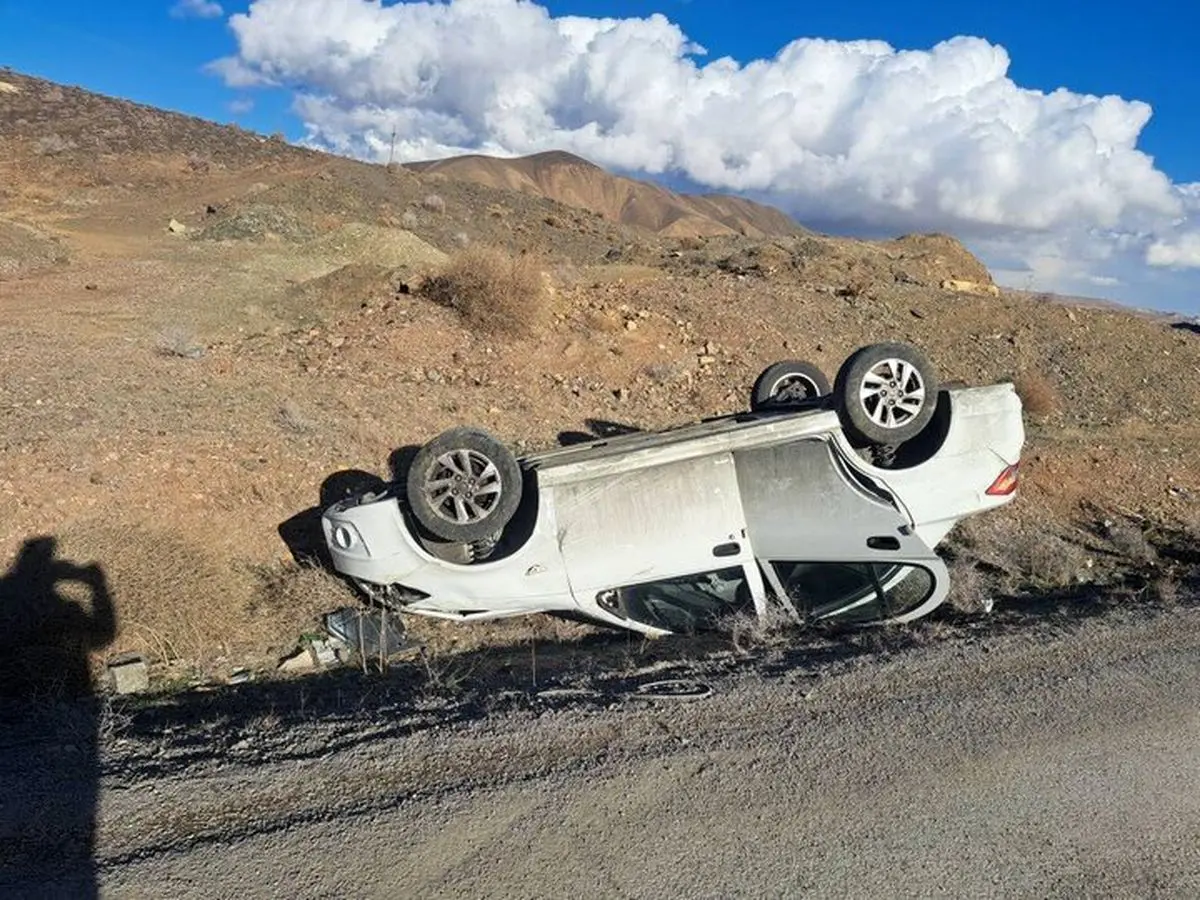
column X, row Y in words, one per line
column 1005, row 483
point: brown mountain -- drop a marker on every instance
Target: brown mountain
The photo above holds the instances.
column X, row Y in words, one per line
column 576, row 182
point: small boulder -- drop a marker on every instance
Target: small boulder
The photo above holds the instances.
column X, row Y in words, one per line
column 129, row 674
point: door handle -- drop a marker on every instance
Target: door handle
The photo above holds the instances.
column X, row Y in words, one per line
column 730, row 549
column 883, row 542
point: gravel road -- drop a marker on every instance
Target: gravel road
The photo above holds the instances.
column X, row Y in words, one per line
column 1055, row 760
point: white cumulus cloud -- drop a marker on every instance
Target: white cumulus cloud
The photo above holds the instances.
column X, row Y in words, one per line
column 1180, row 252
column 197, row 9
column 854, row 133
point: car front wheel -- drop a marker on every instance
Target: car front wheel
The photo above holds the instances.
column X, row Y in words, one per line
column 464, row 485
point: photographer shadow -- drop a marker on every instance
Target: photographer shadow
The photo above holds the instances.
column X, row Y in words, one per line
column 49, row 742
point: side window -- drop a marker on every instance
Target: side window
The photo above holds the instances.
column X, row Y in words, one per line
column 683, row 604
column 854, row 592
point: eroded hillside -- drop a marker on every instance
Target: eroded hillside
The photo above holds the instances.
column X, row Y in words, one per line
column 202, row 324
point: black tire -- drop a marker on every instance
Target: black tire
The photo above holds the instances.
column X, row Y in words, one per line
column 788, row 383
column 464, row 485
column 886, row 393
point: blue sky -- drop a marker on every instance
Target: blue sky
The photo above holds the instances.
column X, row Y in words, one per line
column 1135, row 235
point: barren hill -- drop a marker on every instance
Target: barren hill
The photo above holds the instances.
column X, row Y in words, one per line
column 576, row 182
column 201, row 325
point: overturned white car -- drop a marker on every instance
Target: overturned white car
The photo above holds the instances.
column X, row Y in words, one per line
column 826, row 502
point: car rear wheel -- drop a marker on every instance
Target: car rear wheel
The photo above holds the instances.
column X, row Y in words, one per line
column 464, row 485
column 886, row 393
column 787, row 383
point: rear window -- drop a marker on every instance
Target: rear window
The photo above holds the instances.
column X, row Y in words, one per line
column 854, row 592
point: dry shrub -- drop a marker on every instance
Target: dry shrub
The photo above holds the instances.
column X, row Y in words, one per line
column 434, row 203
column 52, row 145
column 1047, row 561
column 494, row 292
column 177, row 340
column 410, row 220
column 1130, row 541
column 970, row 591
column 292, row 418
column 1037, row 394
column 750, row 632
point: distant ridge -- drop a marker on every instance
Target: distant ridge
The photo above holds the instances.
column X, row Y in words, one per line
column 574, row 181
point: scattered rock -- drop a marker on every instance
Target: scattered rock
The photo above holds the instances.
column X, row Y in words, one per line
column 129, row 674
column 301, row 661
column 176, row 227
column 963, row 286
column 325, row 653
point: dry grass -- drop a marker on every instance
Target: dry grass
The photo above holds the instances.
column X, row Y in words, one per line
column 1049, row 562
column 290, row 595
column 1130, row 541
column 749, row 632
column 970, row 591
column 1038, row 395
column 292, row 418
column 177, row 340
column 495, row 293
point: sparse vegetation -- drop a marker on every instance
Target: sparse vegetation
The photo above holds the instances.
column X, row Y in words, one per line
column 750, row 632
column 326, row 310
column 1037, row 394
column 970, row 590
column 52, row 145
column 178, row 341
column 494, row 292
column 1130, row 541
column 1047, row 562
column 292, row 418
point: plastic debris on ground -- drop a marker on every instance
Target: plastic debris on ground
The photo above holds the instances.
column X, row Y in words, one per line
column 371, row 633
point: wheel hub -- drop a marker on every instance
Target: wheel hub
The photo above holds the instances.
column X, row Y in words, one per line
column 463, row 486
column 892, row 393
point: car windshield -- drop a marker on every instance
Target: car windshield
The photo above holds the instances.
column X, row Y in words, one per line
column 685, row 603
column 854, row 592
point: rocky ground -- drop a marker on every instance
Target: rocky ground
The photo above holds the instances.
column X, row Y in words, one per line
column 201, row 326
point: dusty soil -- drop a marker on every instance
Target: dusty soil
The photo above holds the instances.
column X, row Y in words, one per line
column 174, row 402
column 171, row 403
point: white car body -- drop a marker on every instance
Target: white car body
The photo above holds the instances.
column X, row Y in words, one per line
column 612, row 530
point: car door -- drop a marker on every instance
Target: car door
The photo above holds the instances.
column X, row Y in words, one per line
column 654, row 525
column 834, row 545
